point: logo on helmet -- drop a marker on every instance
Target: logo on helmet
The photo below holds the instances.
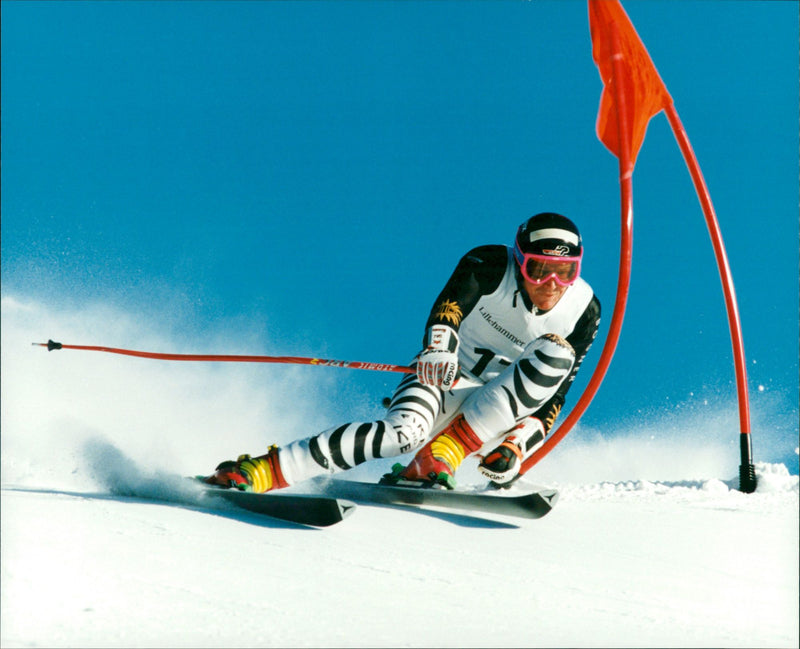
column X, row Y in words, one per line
column 561, row 250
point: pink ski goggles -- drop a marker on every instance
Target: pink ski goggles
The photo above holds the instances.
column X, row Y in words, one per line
column 537, row 269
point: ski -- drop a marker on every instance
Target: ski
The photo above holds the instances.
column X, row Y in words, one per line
column 533, row 504
column 313, row 510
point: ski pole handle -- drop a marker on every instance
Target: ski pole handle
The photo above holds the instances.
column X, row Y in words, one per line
column 229, row 358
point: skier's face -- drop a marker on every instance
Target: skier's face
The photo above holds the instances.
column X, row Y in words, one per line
column 545, row 295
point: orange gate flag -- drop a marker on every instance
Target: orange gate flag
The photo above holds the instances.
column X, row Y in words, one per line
column 643, row 92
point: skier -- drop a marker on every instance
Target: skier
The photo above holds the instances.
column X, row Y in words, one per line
column 502, row 345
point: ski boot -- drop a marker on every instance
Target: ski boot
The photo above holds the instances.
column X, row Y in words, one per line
column 247, row 473
column 435, row 463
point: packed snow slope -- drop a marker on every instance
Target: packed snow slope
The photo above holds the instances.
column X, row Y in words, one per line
column 649, row 545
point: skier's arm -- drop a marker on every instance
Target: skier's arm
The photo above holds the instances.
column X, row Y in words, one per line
column 581, row 340
column 479, row 272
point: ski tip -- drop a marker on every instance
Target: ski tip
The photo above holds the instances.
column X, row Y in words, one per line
column 346, row 507
column 543, row 502
column 550, row 496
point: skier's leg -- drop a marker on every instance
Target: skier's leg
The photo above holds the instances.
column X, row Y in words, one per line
column 521, row 389
column 412, row 414
column 492, row 410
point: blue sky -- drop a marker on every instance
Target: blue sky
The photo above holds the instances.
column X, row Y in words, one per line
column 316, row 169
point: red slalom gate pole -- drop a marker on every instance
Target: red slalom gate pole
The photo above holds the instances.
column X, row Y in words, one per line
column 747, row 474
column 624, row 277
column 230, row 358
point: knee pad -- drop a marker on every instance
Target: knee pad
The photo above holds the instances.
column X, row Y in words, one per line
column 406, row 430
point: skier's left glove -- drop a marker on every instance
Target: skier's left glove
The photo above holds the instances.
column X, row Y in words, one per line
column 502, row 464
column 437, row 364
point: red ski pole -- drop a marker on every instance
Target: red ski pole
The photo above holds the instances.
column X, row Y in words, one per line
column 232, row 358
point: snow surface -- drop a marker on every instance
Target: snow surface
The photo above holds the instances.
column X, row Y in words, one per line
column 646, row 547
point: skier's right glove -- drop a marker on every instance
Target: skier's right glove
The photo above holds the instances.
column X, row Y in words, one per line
column 437, row 364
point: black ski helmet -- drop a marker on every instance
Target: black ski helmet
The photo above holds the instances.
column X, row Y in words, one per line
column 549, row 234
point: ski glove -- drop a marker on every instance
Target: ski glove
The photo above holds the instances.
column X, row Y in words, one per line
column 437, row 364
column 502, row 464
